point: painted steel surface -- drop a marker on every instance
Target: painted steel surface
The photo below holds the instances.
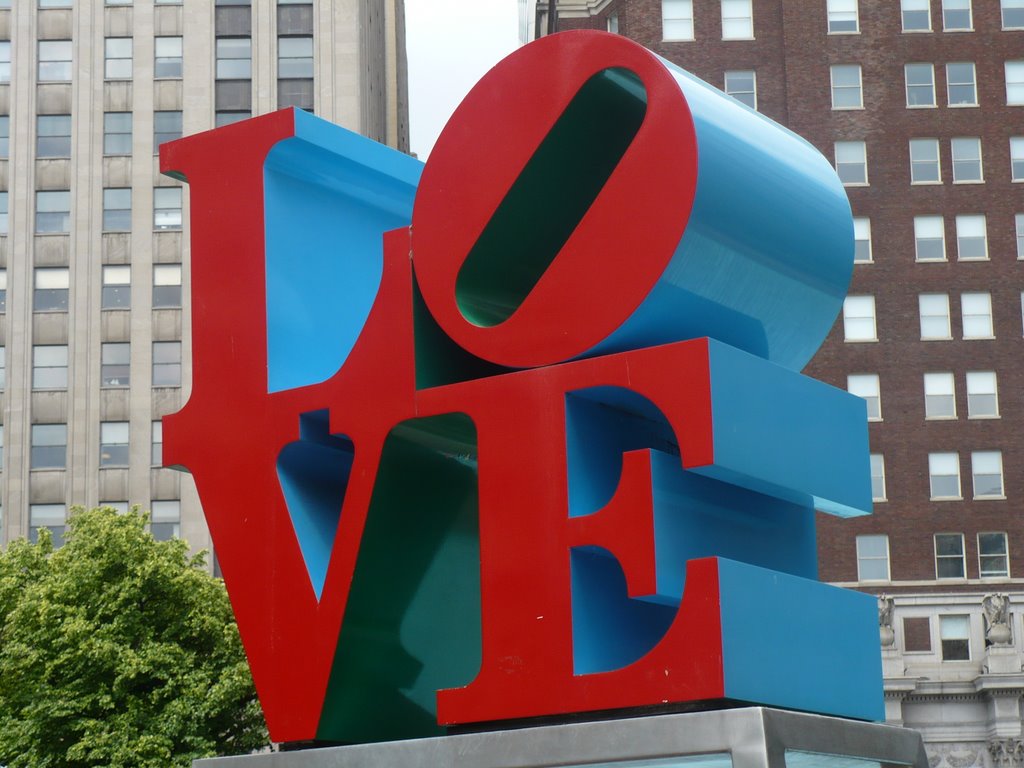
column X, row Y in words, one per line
column 489, row 466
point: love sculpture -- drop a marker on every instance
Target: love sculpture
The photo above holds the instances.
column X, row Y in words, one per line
column 546, row 450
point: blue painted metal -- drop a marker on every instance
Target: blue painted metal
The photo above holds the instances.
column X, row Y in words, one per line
column 328, row 195
column 767, row 254
column 799, row 643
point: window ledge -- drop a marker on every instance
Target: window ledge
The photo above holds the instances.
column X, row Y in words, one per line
column 866, row 184
column 931, row 261
column 936, row 338
column 979, row 258
column 926, row 183
column 989, row 498
column 940, row 418
column 855, row 32
column 963, row 106
column 922, row 106
column 978, row 338
column 946, row 498
column 665, row 40
column 983, row 418
column 861, row 341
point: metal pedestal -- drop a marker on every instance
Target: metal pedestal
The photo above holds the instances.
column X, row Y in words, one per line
column 752, row 737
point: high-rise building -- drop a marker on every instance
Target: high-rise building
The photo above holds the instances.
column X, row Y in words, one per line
column 94, row 253
column 920, row 105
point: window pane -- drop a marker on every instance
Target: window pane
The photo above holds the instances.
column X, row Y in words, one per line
column 966, row 159
column 851, row 162
column 842, row 16
column 993, row 559
column 167, row 285
column 677, row 19
column 1017, row 158
column 982, row 395
column 859, row 318
column 741, row 85
column 116, row 287
column 873, row 558
column 866, row 386
column 944, row 475
column 987, row 471
column 1013, row 14
column 954, row 633
column 934, row 312
column 115, row 366
column 924, row 161
column 1015, row 83
column 977, row 315
column 877, row 477
column 956, row 14
column 929, row 238
column 960, row 84
column 737, row 20
column 939, row 396
column 846, row 90
column 920, row 85
column 862, row 239
column 117, row 133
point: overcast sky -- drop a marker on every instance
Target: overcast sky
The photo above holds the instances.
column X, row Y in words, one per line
column 451, row 44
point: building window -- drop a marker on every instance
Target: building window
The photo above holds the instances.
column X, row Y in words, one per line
column 934, row 312
column 117, row 287
column 944, row 475
column 866, row 386
column 51, row 289
column 967, row 166
column 3, row 375
column 987, row 473
column 114, row 444
column 121, row 507
column 1018, row 225
column 3, row 290
column 929, row 238
column 166, row 363
column 612, row 24
column 993, row 556
column 1013, row 14
column 737, row 20
column 117, row 210
column 924, row 161
column 677, row 19
column 53, row 136
column 49, row 516
column 862, row 240
column 165, row 520
column 166, row 208
column 157, row 446
column 5, row 61
column 295, row 58
column 961, row 88
column 873, row 558
column 117, row 58
column 115, row 364
column 5, row 136
column 3, row 213
column 982, row 395
column 117, row 133
column 229, row 116
column 53, row 212
column 846, row 87
column 976, row 310
column 54, row 61
column 920, row 80
column 166, row 285
column 939, row 396
column 956, row 15
column 234, row 58
column 167, row 57
column 166, row 127
column 877, row 477
column 955, row 636
column 852, row 162
column 54, row 3
column 49, row 446
column 1015, row 83
column 859, row 318
column 1017, row 158
column 971, row 238
column 742, row 86
column 917, row 15
column 949, row 556
column 842, row 17
column 50, row 366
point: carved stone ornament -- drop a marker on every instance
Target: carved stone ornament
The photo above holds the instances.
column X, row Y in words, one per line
column 997, row 618
column 1006, row 753
column 886, row 635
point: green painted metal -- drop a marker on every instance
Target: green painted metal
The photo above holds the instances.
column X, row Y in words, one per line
column 552, row 193
column 412, row 623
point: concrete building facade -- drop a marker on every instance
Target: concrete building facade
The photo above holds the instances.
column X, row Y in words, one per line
column 94, row 334
column 920, row 105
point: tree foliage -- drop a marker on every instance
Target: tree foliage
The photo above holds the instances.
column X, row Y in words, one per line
column 118, row 650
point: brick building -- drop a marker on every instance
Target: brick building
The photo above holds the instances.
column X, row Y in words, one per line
column 920, row 103
column 94, row 257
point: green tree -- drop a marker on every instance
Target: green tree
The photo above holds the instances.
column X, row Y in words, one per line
column 118, row 650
